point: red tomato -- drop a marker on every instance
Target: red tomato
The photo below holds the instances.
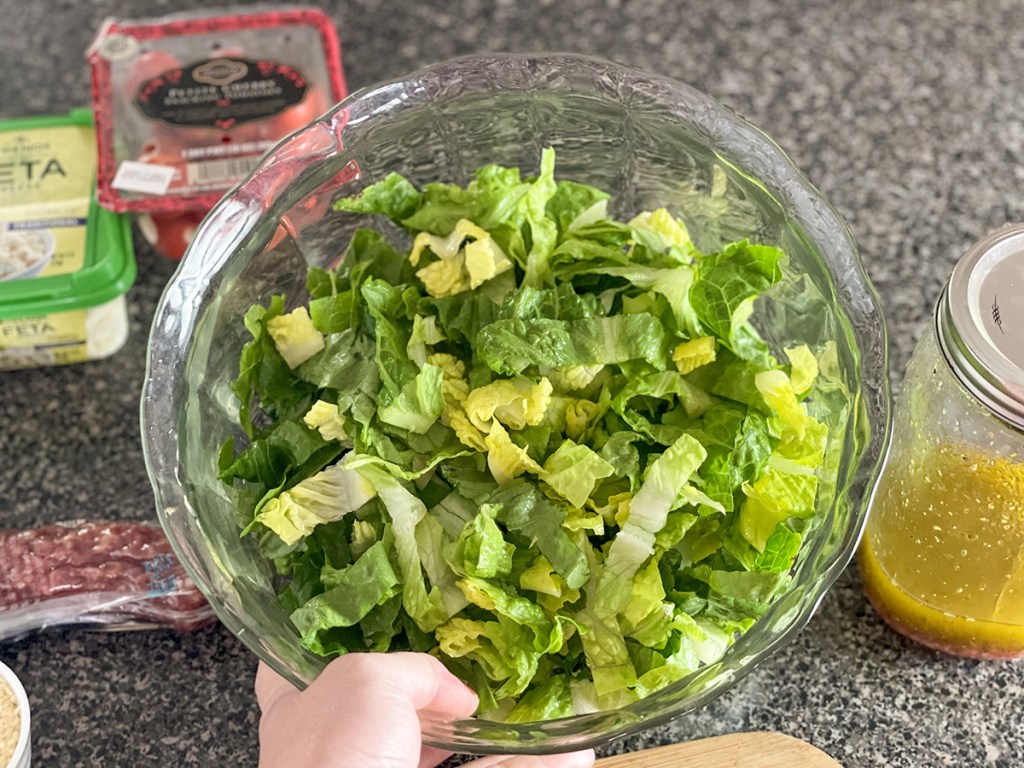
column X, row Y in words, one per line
column 230, row 52
column 153, row 64
column 145, row 67
column 242, row 133
column 163, row 151
column 297, row 116
column 170, row 232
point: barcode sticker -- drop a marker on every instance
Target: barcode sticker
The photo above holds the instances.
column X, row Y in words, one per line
column 147, row 178
column 226, row 170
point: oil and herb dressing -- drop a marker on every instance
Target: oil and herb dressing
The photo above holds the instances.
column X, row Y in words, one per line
column 945, row 555
column 942, row 559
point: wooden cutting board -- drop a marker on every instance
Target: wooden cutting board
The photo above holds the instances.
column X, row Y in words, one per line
column 735, row 750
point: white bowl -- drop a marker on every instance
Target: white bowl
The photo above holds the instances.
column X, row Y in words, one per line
column 36, row 267
column 23, row 749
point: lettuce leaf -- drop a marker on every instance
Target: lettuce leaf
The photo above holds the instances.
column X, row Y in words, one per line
column 544, row 444
column 405, row 510
column 355, row 591
column 322, row 498
column 648, row 513
column 393, row 197
column 727, row 285
column 511, row 346
column 573, row 471
column 524, row 510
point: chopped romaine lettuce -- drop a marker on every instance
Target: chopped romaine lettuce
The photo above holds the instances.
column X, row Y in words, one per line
column 546, row 445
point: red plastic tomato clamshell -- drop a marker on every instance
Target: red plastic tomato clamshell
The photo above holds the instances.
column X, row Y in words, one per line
column 187, row 105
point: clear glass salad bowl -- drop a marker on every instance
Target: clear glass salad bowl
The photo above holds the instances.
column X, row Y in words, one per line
column 651, row 142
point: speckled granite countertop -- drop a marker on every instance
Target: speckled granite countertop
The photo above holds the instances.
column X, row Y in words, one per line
column 906, row 115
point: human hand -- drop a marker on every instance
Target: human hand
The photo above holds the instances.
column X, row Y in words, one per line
column 363, row 712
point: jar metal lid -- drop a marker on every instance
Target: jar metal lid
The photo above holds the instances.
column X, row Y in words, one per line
column 980, row 322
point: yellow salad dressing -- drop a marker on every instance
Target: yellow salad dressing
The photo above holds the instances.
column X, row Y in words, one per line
column 944, row 553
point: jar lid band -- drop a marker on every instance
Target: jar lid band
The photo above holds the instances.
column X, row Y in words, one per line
column 980, row 322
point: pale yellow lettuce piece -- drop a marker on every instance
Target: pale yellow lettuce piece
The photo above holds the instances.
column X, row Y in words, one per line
column 461, row 265
column 451, row 366
column 458, row 637
column 295, row 337
column 455, row 388
column 516, row 403
column 578, row 416
column 363, row 537
column 485, row 260
column 445, row 247
column 475, row 594
column 579, row 519
column 445, row 277
column 326, row 496
column 463, row 428
column 571, row 377
column 691, row 355
column 778, row 393
column 636, row 305
column 573, row 471
column 615, row 510
column 671, row 229
column 327, row 420
column 772, row 498
column 505, row 459
column 804, row 368
column 552, row 591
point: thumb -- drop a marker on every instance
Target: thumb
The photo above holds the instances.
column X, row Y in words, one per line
column 421, row 678
column 271, row 687
column 582, row 759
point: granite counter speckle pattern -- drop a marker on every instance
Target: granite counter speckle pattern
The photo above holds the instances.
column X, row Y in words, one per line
column 908, row 116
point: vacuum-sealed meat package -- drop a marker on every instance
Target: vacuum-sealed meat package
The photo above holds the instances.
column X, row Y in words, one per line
column 103, row 574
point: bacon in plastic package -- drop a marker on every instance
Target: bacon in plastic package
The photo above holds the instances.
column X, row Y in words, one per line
column 101, row 574
column 186, row 105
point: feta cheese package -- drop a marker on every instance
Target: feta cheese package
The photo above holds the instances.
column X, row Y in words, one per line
column 186, row 105
column 65, row 262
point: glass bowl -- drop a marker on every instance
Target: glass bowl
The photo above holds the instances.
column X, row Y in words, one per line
column 650, row 141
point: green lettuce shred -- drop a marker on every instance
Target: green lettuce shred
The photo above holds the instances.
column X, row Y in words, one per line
column 543, row 444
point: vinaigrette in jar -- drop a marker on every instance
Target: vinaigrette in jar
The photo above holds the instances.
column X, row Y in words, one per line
column 942, row 558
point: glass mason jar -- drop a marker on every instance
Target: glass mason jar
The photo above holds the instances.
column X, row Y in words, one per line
column 942, row 558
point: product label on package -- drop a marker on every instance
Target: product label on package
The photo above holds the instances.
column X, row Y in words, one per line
column 45, row 340
column 143, row 177
column 221, row 92
column 46, row 177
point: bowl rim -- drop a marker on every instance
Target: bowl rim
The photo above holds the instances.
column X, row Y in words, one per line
column 799, row 199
